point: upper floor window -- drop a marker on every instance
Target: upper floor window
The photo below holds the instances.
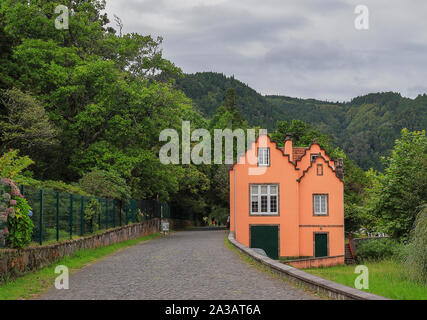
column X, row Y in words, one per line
column 320, row 204
column 264, row 199
column 320, row 169
column 263, row 156
column 313, row 156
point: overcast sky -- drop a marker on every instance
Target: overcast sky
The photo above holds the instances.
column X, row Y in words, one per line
column 298, row 48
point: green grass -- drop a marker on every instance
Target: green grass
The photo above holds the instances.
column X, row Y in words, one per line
column 386, row 278
column 33, row 284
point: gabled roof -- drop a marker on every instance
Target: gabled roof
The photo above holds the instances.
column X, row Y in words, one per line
column 311, row 165
column 305, row 151
column 278, row 148
column 298, row 153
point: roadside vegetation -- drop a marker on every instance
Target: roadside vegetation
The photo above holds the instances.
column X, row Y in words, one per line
column 33, row 284
column 394, row 203
column 387, row 278
column 81, row 112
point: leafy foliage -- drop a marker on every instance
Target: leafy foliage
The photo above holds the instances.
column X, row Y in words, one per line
column 365, row 128
column 26, row 125
column 402, row 189
column 416, row 260
column 11, row 165
column 20, row 224
column 105, row 184
column 375, row 250
column 91, row 214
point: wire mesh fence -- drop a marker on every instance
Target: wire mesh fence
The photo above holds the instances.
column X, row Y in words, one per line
column 59, row 216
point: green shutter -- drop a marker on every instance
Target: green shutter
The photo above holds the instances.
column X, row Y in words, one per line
column 266, row 238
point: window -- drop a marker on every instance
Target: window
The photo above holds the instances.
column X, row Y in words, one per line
column 264, row 199
column 314, row 156
column 320, row 204
column 320, row 169
column 263, row 156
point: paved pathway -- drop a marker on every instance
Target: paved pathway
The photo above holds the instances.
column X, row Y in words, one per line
column 184, row 265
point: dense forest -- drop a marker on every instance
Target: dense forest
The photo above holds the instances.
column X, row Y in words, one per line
column 365, row 128
column 85, row 108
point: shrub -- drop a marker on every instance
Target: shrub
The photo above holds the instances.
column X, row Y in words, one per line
column 59, row 186
column 105, row 184
column 11, row 165
column 20, row 226
column 91, row 214
column 380, row 249
column 416, row 260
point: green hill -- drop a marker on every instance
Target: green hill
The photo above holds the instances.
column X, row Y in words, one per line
column 366, row 127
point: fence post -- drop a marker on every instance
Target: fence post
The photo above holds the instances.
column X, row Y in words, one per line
column 82, row 212
column 41, row 217
column 114, row 213
column 71, row 216
column 120, row 212
column 126, row 211
column 57, row 216
column 99, row 216
column 106, row 214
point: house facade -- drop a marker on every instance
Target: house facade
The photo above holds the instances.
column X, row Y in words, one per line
column 288, row 201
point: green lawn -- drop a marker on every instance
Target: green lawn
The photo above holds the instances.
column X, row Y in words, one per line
column 32, row 284
column 386, row 278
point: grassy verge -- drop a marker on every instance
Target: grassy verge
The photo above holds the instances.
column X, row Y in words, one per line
column 263, row 268
column 386, row 278
column 33, row 284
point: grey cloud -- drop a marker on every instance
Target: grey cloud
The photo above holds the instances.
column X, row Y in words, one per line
column 305, row 48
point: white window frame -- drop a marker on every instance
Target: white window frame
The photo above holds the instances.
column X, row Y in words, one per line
column 323, row 206
column 263, row 157
column 258, row 195
column 314, row 156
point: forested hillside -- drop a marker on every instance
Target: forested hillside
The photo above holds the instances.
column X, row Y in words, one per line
column 81, row 111
column 366, row 127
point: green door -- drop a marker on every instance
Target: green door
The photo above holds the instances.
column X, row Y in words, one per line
column 321, row 245
column 266, row 238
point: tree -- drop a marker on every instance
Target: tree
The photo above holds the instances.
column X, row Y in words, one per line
column 105, row 184
column 416, row 260
column 26, row 125
column 403, row 186
column 12, row 165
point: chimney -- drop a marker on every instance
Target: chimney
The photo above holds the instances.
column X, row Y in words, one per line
column 288, row 146
column 339, row 168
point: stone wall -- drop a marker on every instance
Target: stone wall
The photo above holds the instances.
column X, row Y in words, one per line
column 14, row 262
column 316, row 262
column 326, row 287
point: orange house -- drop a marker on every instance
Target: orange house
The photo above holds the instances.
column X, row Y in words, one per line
column 289, row 202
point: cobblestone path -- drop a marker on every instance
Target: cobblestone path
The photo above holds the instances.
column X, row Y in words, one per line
column 184, row 265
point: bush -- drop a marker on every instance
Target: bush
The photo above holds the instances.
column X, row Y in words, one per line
column 11, row 165
column 416, row 260
column 19, row 224
column 374, row 250
column 105, row 184
column 91, row 214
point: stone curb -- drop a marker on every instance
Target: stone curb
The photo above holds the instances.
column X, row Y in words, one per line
column 207, row 228
column 331, row 289
column 16, row 262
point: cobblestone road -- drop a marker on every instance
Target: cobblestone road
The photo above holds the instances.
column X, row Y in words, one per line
column 184, row 265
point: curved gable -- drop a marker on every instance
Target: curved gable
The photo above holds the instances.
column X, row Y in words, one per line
column 305, row 159
column 313, row 165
